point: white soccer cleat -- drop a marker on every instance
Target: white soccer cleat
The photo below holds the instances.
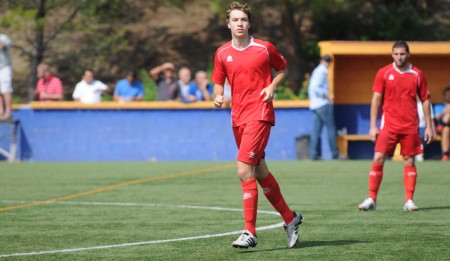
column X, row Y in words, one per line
column 410, row 206
column 292, row 229
column 367, row 204
column 245, row 240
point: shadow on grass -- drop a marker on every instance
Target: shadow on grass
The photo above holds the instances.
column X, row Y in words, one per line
column 305, row 244
column 434, row 208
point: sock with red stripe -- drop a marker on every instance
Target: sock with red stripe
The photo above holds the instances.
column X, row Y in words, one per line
column 272, row 192
column 375, row 177
column 250, row 200
column 409, row 180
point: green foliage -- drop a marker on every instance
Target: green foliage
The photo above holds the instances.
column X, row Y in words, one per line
column 283, row 92
column 150, row 88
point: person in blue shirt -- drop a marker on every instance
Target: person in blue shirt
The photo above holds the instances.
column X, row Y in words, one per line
column 321, row 104
column 201, row 89
column 129, row 89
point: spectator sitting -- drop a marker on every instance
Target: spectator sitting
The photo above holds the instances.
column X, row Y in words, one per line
column 163, row 75
column 202, row 89
column 443, row 117
column 48, row 87
column 89, row 90
column 129, row 89
column 185, row 86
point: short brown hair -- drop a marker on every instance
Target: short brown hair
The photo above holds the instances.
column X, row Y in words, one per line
column 239, row 6
column 401, row 44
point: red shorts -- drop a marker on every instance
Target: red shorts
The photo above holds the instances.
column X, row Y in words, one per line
column 251, row 140
column 410, row 144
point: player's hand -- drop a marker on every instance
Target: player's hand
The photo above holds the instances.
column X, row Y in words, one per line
column 268, row 93
column 373, row 133
column 429, row 135
column 218, row 101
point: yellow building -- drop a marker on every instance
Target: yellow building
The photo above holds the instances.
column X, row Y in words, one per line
column 356, row 63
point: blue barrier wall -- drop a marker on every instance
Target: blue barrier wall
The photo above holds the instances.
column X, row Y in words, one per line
column 148, row 134
column 168, row 134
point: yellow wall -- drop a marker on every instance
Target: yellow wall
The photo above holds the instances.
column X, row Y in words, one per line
column 356, row 63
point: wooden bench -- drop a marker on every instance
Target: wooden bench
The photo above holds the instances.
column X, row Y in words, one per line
column 342, row 143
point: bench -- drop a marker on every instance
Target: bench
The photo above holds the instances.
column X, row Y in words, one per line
column 342, row 143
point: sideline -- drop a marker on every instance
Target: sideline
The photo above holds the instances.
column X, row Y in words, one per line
column 152, row 242
column 118, row 185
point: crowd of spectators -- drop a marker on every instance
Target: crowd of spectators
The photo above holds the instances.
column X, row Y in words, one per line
column 90, row 90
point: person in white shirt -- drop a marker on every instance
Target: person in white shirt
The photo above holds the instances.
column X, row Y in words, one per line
column 423, row 125
column 89, row 90
column 5, row 78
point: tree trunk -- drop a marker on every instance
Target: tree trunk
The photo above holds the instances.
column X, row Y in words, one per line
column 294, row 38
column 39, row 49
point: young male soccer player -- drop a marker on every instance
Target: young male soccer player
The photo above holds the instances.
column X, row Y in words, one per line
column 247, row 62
column 395, row 89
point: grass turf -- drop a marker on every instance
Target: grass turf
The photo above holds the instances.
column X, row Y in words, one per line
column 326, row 193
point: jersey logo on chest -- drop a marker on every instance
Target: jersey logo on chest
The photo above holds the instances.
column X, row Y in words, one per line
column 391, row 77
column 229, row 58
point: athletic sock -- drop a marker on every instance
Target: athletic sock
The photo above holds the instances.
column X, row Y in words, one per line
column 409, row 180
column 375, row 177
column 272, row 192
column 250, row 200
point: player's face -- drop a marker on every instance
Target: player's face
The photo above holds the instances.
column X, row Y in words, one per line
column 238, row 24
column 400, row 56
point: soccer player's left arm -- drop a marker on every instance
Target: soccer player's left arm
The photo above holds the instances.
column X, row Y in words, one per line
column 430, row 130
column 269, row 91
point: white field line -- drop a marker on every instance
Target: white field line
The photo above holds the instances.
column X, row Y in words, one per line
column 142, row 242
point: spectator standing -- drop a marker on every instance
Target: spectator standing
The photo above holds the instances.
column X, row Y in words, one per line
column 443, row 117
column 321, row 105
column 395, row 88
column 247, row 63
column 163, row 75
column 48, row 87
column 129, row 89
column 6, row 73
column 89, row 90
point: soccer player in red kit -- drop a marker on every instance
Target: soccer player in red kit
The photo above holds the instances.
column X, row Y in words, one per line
column 395, row 89
column 246, row 63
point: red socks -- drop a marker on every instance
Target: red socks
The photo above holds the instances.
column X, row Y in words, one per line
column 272, row 192
column 409, row 180
column 375, row 177
column 250, row 200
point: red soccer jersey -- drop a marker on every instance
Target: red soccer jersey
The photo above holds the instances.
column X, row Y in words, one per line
column 51, row 85
column 399, row 103
column 248, row 71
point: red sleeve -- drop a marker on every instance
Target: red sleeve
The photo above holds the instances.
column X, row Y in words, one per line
column 378, row 83
column 277, row 61
column 423, row 91
column 218, row 74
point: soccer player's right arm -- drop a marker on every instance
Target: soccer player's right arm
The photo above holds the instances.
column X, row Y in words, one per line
column 218, row 95
column 374, row 107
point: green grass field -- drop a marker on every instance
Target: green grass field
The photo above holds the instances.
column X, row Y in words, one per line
column 189, row 211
